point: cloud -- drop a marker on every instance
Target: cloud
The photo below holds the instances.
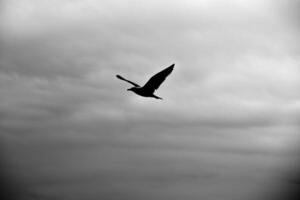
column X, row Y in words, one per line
column 231, row 103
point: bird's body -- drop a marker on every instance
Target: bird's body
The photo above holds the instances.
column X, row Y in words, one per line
column 142, row 92
column 153, row 84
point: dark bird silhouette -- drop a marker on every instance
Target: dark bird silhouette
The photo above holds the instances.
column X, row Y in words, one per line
column 153, row 83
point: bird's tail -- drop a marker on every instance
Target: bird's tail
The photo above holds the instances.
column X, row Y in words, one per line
column 156, row 97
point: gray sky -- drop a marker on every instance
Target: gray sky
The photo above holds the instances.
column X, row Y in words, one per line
column 227, row 126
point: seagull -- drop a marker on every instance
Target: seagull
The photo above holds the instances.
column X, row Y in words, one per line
column 152, row 84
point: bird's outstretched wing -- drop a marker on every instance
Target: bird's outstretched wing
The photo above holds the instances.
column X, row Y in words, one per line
column 155, row 81
column 120, row 77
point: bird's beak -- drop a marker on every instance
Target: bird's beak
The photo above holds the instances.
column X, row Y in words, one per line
column 129, row 89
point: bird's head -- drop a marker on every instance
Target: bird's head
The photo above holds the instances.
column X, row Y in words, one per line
column 130, row 89
column 133, row 89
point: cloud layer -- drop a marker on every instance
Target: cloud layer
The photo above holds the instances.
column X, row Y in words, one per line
column 232, row 101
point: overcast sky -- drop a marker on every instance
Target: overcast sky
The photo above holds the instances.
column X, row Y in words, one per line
column 226, row 129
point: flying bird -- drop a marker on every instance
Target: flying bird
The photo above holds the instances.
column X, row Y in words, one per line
column 152, row 84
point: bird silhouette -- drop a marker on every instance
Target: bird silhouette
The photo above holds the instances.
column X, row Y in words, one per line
column 152, row 84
